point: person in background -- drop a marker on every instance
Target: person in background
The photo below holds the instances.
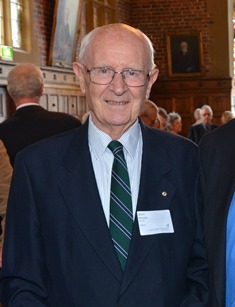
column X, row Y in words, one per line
column 77, row 241
column 163, row 117
column 197, row 131
column 226, row 116
column 5, row 180
column 149, row 114
column 197, row 116
column 174, row 123
column 30, row 123
column 217, row 184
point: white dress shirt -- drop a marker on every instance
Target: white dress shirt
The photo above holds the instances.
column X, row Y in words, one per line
column 102, row 160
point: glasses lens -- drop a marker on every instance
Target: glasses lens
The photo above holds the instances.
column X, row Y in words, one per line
column 101, row 75
column 134, row 77
column 105, row 75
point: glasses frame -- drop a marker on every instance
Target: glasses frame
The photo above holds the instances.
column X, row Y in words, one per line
column 89, row 71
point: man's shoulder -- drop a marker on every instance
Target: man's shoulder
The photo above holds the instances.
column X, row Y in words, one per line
column 197, row 126
column 171, row 142
column 223, row 134
column 48, row 148
column 61, row 116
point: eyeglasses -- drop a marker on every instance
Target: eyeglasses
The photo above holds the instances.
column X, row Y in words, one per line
column 105, row 75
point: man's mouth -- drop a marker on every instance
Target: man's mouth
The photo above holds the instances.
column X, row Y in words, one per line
column 116, row 102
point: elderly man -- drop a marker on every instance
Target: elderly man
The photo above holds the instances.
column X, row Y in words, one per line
column 149, row 114
column 106, row 213
column 30, row 123
column 197, row 131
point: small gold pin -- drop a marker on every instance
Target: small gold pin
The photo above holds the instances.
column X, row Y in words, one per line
column 164, row 193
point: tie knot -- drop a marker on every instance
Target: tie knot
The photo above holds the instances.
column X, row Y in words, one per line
column 116, row 147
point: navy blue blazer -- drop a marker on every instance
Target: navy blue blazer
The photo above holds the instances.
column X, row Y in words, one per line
column 58, row 250
column 217, row 181
column 31, row 124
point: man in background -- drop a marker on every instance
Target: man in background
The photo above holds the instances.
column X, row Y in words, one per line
column 197, row 116
column 149, row 114
column 163, row 117
column 226, row 116
column 105, row 215
column 30, row 123
column 197, row 131
column 217, row 182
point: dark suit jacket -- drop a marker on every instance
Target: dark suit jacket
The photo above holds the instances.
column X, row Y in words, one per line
column 31, row 124
column 58, row 248
column 197, row 131
column 217, row 154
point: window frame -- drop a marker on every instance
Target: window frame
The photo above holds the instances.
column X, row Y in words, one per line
column 28, row 51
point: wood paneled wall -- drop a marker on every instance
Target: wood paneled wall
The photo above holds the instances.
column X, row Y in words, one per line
column 184, row 96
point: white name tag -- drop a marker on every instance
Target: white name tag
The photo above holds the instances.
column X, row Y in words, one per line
column 154, row 222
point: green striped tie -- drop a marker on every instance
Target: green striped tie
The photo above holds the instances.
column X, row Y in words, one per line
column 121, row 217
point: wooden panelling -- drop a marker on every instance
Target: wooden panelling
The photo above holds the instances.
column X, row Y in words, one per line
column 184, row 96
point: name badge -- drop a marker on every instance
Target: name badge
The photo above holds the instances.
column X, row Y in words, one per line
column 154, row 222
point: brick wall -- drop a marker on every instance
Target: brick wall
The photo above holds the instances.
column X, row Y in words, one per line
column 160, row 18
column 43, row 19
column 156, row 18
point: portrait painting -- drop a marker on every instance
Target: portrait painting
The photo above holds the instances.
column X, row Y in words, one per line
column 184, row 54
column 64, row 33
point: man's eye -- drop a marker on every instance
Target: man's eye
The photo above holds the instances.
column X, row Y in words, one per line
column 132, row 72
column 103, row 70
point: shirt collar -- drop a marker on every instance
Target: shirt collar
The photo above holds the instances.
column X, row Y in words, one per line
column 27, row 105
column 99, row 140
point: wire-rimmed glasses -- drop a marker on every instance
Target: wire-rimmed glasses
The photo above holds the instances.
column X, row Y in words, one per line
column 105, row 75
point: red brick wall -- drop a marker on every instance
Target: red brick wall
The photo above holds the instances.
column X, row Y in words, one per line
column 124, row 11
column 156, row 18
column 43, row 21
column 160, row 18
column 43, row 18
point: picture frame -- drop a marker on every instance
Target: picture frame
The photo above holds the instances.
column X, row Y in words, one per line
column 184, row 54
column 65, row 33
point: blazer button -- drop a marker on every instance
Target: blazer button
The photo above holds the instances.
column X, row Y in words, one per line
column 164, row 193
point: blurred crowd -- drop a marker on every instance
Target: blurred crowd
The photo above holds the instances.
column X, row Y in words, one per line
column 158, row 117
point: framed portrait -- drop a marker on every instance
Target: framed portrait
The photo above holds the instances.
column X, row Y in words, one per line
column 65, row 31
column 184, row 54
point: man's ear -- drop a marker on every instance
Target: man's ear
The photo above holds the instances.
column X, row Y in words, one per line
column 41, row 90
column 80, row 74
column 153, row 78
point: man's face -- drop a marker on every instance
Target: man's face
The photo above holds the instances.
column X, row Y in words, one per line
column 206, row 116
column 184, row 47
column 163, row 121
column 116, row 106
column 149, row 116
column 177, row 126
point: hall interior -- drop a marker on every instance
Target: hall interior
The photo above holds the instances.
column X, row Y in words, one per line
column 30, row 28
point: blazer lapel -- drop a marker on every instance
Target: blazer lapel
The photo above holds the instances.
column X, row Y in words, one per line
column 77, row 182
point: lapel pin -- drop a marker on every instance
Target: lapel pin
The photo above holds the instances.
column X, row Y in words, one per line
column 164, row 193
